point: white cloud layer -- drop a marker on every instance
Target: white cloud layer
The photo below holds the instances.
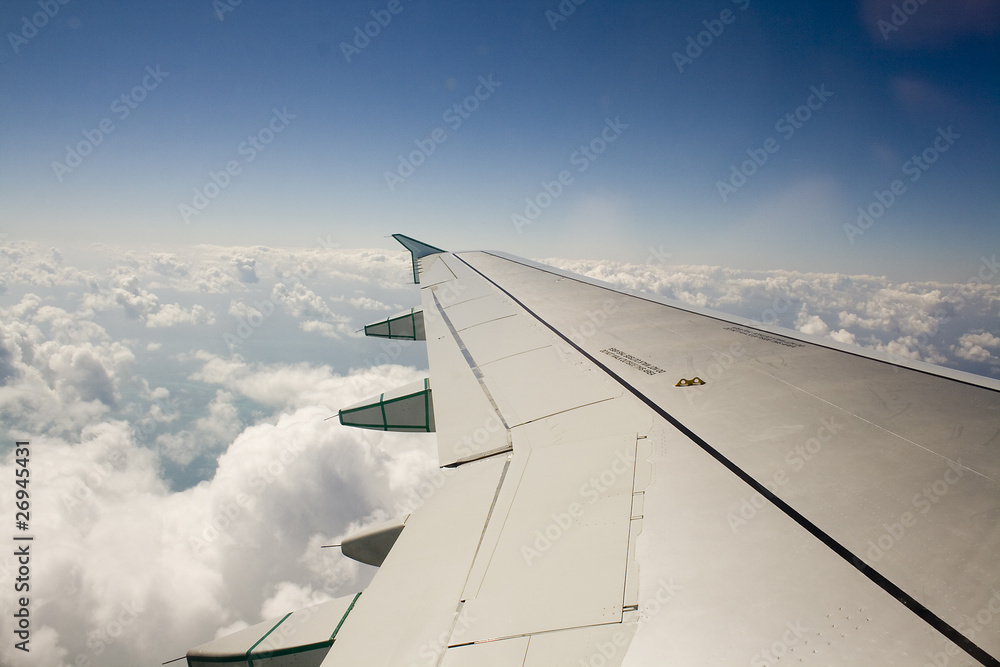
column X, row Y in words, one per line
column 924, row 321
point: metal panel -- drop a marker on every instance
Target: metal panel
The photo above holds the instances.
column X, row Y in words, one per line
column 507, row 653
column 454, row 292
column 560, row 558
column 433, row 271
column 603, row 645
column 565, row 387
column 476, row 311
column 773, row 589
column 302, row 637
column 469, row 425
column 409, row 609
column 502, row 338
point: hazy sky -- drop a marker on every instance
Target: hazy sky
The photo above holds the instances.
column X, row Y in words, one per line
column 743, row 134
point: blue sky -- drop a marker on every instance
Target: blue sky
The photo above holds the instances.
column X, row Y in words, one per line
column 684, row 93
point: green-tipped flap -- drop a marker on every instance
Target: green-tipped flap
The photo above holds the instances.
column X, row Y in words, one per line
column 408, row 325
column 407, row 409
column 302, row 637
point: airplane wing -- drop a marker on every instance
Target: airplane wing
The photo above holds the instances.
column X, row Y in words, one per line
column 628, row 481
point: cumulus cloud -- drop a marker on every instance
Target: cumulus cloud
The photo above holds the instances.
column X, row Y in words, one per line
column 7, row 368
column 172, row 314
column 244, row 311
column 25, row 263
column 811, row 324
column 207, row 434
column 367, row 303
column 302, row 302
column 912, row 320
column 132, row 569
column 245, row 269
column 979, row 346
column 61, row 372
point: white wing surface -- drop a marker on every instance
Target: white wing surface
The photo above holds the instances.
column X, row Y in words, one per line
column 631, row 482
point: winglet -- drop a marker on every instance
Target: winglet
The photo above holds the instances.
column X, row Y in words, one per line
column 417, row 250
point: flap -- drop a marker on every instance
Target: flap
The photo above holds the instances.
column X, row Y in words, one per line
column 408, row 408
column 307, row 634
column 407, row 325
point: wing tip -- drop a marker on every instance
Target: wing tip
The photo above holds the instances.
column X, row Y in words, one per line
column 417, row 250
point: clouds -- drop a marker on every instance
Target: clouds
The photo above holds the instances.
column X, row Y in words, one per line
column 132, row 570
column 161, row 459
column 981, row 346
column 60, row 372
column 210, row 433
column 301, row 302
column 927, row 321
